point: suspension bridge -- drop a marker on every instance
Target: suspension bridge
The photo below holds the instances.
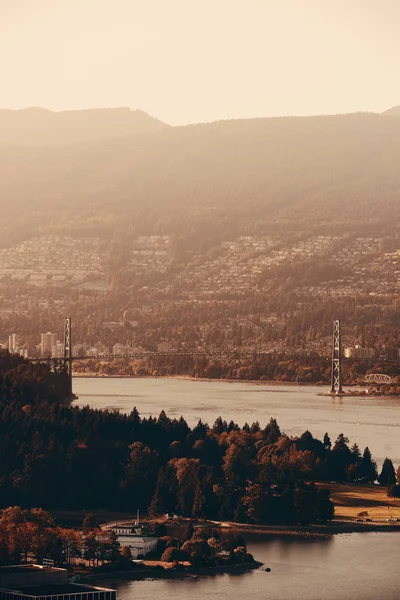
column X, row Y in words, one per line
column 336, row 359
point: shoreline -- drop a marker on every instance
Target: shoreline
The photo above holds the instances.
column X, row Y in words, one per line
column 201, row 379
column 171, row 573
column 353, row 503
column 335, row 528
column 357, row 393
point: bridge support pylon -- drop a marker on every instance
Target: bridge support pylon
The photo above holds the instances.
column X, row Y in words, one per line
column 68, row 353
column 337, row 379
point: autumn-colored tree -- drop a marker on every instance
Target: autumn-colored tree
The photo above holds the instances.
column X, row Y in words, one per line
column 71, row 543
column 90, row 522
column 91, row 548
column 126, row 552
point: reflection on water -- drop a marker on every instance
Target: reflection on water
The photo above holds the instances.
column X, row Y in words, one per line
column 344, row 567
column 372, row 422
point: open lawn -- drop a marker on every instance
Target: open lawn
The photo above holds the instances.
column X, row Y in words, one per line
column 352, row 499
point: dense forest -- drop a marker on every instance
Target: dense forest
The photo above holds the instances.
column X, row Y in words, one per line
column 57, row 456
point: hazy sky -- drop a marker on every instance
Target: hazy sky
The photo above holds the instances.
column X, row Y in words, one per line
column 201, row 60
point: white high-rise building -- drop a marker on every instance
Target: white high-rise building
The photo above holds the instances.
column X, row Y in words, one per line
column 47, row 342
column 12, row 343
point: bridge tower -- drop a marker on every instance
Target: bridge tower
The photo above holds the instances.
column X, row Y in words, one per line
column 337, row 380
column 68, row 352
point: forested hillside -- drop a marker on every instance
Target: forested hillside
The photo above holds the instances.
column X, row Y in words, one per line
column 210, row 182
column 250, row 233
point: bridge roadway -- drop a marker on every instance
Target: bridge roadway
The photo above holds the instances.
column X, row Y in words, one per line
column 234, row 353
column 206, row 354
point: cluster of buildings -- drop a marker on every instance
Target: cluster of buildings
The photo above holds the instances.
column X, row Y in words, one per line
column 245, row 264
column 53, row 261
column 360, row 353
column 211, row 289
column 14, row 347
column 149, row 254
column 50, row 346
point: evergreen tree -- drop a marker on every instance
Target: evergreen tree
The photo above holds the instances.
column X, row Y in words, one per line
column 188, row 533
column 356, row 454
column 340, row 458
column 89, row 522
column 219, row 426
column 394, row 491
column 367, row 470
column 325, row 509
column 387, row 476
column 271, row 433
column 327, row 442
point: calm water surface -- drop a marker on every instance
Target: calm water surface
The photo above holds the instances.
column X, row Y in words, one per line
column 373, row 422
column 344, row 567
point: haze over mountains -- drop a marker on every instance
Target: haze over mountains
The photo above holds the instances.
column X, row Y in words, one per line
column 114, row 169
column 40, row 127
column 393, row 112
column 233, row 232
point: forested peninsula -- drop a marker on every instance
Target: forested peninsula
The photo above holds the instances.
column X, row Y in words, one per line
column 54, row 455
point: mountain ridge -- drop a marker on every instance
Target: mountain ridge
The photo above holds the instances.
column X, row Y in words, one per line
column 36, row 126
column 392, row 112
column 205, row 182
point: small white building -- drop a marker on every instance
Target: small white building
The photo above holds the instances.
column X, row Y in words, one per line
column 139, row 545
column 135, row 538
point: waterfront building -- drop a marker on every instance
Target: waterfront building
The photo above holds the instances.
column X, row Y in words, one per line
column 136, row 539
column 37, row 582
column 139, row 545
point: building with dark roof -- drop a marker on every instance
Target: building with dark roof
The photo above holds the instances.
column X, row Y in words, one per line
column 35, row 582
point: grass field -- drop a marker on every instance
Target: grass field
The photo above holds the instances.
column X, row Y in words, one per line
column 352, row 499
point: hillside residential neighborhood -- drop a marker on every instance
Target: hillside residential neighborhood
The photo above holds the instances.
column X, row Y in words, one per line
column 229, row 296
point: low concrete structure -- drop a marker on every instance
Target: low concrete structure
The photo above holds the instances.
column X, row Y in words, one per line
column 35, row 582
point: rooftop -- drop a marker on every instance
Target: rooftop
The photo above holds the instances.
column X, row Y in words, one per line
column 20, row 569
column 56, row 590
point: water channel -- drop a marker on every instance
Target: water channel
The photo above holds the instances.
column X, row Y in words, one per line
column 368, row 421
column 357, row 566
column 346, row 567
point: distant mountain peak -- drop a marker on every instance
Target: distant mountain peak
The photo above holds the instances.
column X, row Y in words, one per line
column 36, row 126
column 392, row 112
